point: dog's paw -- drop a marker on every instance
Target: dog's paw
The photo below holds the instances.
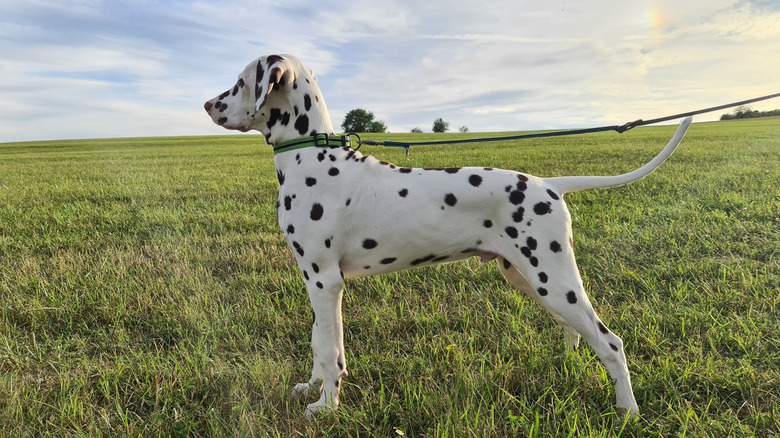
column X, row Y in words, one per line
column 301, row 390
column 320, row 408
column 629, row 413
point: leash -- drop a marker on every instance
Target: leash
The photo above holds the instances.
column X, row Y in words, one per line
column 326, row 140
column 618, row 128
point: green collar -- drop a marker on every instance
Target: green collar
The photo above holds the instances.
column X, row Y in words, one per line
column 318, row 140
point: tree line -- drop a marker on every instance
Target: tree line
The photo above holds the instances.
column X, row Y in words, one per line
column 360, row 120
column 746, row 112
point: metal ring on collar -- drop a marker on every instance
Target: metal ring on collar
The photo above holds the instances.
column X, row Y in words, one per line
column 359, row 141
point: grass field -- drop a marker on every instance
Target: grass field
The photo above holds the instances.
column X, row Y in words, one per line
column 145, row 290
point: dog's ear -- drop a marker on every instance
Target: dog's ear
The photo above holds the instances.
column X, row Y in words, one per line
column 272, row 72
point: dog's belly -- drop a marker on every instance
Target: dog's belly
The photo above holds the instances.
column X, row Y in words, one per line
column 354, row 268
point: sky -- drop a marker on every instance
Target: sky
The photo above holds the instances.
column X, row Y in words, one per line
column 72, row 69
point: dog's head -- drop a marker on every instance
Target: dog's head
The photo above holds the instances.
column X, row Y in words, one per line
column 276, row 95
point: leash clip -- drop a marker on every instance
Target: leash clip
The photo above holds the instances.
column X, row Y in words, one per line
column 359, row 140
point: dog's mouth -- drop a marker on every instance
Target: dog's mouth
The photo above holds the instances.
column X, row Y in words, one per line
column 213, row 110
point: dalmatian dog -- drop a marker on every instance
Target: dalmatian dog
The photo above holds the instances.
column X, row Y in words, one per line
column 345, row 214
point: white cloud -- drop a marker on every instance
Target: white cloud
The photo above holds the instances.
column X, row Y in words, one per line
column 104, row 69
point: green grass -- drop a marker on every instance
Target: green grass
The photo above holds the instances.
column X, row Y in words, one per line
column 145, row 290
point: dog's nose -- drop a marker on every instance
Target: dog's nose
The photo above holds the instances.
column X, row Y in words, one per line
column 208, row 105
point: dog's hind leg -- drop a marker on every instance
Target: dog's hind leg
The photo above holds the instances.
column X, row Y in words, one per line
column 563, row 295
column 571, row 337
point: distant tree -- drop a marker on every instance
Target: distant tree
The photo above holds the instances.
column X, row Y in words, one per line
column 416, row 131
column 360, row 120
column 377, row 126
column 463, row 129
column 439, row 125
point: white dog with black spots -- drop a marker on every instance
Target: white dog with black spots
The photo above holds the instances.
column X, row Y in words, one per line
column 345, row 215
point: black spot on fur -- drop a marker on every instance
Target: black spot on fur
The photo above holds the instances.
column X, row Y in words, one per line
column 276, row 115
column 452, row 169
column 517, row 216
column 571, row 297
column 450, row 199
column 516, row 197
column 298, row 248
column 488, row 223
column 403, row 192
column 333, row 171
column 522, row 177
column 521, row 185
column 511, row 231
column 613, row 347
column 423, row 259
column 273, row 59
column 280, row 177
column 405, row 170
column 552, row 194
column 542, row 291
column 319, row 285
column 315, row 268
column 349, row 201
column 369, row 244
column 290, row 229
column 302, row 124
column 311, row 181
column 306, row 275
column 316, row 211
column 603, row 328
column 542, row 208
column 531, row 243
column 388, row 260
column 534, row 261
column 555, row 246
column 287, row 203
column 327, row 243
column 306, row 102
column 543, row 277
column 259, row 75
column 475, row 180
column 526, row 251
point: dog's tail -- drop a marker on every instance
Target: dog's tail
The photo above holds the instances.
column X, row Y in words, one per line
column 568, row 184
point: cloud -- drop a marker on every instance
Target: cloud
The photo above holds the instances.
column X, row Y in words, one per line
column 83, row 68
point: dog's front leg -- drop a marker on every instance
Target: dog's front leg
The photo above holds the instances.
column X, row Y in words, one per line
column 325, row 293
column 315, row 382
